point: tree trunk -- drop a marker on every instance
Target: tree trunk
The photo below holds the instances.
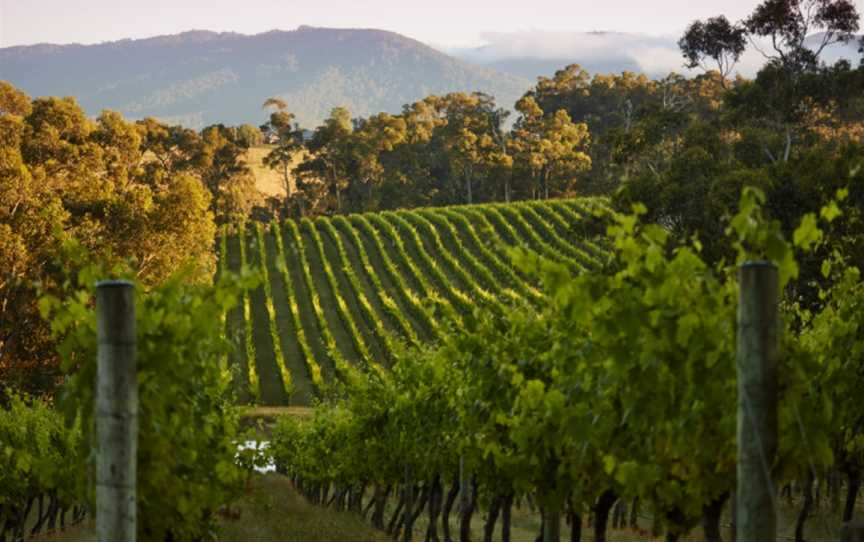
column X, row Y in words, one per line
column 333, row 497
column 448, row 506
column 733, row 517
column 322, row 491
column 54, row 508
column 467, row 511
column 805, row 508
column 394, row 519
column 287, row 201
column 575, row 520
column 619, row 511
column 421, row 503
column 371, row 504
column 380, row 499
column 711, row 514
column 506, row 511
column 287, row 178
column 634, row 513
column 408, row 521
column 539, row 537
column 552, row 526
column 851, row 494
column 40, row 518
column 677, row 522
column 355, row 498
column 435, row 494
column 817, row 499
column 491, row 518
column 601, row 514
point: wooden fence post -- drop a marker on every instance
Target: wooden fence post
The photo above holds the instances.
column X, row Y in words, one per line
column 758, row 328
column 116, row 412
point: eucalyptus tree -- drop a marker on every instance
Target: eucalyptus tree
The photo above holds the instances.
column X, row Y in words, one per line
column 551, row 150
column 288, row 137
column 716, row 39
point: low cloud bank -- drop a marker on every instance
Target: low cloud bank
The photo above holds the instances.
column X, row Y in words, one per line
column 654, row 55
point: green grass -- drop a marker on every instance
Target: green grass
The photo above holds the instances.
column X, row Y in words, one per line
column 295, row 358
column 271, row 510
column 305, row 311
column 273, row 383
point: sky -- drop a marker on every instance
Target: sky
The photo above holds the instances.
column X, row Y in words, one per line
column 443, row 23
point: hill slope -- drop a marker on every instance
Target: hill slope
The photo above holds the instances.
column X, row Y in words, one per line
column 198, row 78
column 338, row 292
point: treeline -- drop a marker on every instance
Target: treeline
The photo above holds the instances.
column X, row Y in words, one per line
column 621, row 135
column 685, row 147
column 143, row 194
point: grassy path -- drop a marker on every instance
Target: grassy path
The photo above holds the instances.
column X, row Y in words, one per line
column 533, row 240
column 271, row 384
column 341, row 334
column 410, row 251
column 453, row 262
column 551, row 237
column 376, row 283
column 236, row 326
column 367, row 321
column 272, row 511
column 304, row 305
column 405, row 282
column 578, row 227
column 496, row 263
column 295, row 359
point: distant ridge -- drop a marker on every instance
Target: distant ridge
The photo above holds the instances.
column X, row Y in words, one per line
column 202, row 77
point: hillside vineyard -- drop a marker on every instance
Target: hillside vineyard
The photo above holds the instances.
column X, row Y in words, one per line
column 339, row 294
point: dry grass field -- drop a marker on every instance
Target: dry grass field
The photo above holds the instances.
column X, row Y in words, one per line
column 268, row 181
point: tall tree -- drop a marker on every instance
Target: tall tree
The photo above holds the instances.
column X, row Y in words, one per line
column 715, row 39
column 373, row 139
column 63, row 176
column 473, row 141
column 289, row 144
column 330, row 156
column 220, row 160
column 789, row 23
column 551, row 150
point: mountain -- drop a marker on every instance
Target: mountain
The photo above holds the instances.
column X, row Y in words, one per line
column 198, row 78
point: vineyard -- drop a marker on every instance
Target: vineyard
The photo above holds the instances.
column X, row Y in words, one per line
column 340, row 294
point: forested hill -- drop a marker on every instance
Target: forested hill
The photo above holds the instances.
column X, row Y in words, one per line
column 198, row 78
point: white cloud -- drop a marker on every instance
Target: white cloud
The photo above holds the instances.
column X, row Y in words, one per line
column 655, row 55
